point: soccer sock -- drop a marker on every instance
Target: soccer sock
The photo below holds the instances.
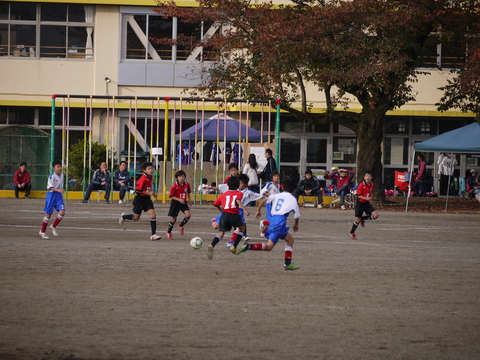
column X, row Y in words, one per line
column 129, row 217
column 234, row 236
column 57, row 220
column 215, row 241
column 45, row 224
column 368, row 217
column 239, row 237
column 170, row 226
column 153, row 225
column 184, row 221
column 258, row 246
column 354, row 227
column 288, row 254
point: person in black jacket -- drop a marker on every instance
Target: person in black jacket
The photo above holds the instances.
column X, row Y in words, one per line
column 270, row 167
column 309, row 186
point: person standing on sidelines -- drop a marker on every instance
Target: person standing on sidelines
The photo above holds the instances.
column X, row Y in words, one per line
column 364, row 196
column 282, row 205
column 54, row 200
column 143, row 201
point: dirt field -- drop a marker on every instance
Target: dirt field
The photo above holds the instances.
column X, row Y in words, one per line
column 408, row 288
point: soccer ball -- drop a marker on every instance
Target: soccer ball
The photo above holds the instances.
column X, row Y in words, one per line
column 196, row 243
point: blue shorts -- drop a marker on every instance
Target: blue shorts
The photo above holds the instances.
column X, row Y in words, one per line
column 268, row 209
column 278, row 229
column 54, row 200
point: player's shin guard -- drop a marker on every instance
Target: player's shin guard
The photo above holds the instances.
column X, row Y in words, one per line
column 45, row 224
column 258, row 247
column 170, row 226
column 238, row 238
column 288, row 254
column 57, row 220
column 234, row 236
column 354, row 227
column 215, row 241
column 129, row 217
column 184, row 221
column 153, row 225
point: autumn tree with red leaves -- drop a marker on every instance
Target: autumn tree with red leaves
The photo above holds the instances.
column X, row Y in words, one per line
column 363, row 50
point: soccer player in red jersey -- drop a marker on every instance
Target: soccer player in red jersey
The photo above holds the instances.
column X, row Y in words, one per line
column 143, row 200
column 229, row 203
column 180, row 195
column 364, row 195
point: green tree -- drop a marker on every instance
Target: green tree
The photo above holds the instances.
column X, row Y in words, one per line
column 79, row 160
column 363, row 50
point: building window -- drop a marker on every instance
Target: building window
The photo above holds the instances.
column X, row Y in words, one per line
column 46, row 30
column 16, row 115
column 142, row 29
column 442, row 56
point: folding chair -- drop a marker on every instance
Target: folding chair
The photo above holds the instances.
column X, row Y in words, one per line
column 401, row 182
column 308, row 203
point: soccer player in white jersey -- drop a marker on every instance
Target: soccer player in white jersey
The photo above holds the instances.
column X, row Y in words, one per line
column 54, row 200
column 282, row 205
column 270, row 188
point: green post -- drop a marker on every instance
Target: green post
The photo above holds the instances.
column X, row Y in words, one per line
column 52, row 132
column 277, row 136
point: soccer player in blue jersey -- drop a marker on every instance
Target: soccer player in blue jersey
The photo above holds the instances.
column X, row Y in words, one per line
column 282, row 205
column 54, row 200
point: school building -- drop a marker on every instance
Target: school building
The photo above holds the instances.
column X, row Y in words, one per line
column 102, row 48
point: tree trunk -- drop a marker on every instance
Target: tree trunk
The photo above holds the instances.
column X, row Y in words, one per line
column 369, row 158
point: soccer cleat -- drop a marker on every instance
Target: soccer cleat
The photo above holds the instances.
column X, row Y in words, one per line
column 242, row 249
column 262, row 234
column 43, row 235
column 120, row 201
column 132, row 192
column 155, row 237
column 353, row 236
column 121, row 220
column 107, row 202
column 320, row 206
column 343, row 207
column 84, row 201
column 180, row 229
column 264, row 225
column 362, row 223
column 54, row 230
column 213, row 221
column 291, row 266
column 169, row 236
column 229, row 244
column 233, row 249
column 240, row 246
column 210, row 252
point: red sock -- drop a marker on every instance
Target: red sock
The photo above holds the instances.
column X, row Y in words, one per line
column 44, row 224
column 57, row 220
column 258, row 247
column 288, row 252
column 234, row 236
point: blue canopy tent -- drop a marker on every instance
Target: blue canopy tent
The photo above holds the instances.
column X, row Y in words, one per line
column 464, row 140
column 213, row 126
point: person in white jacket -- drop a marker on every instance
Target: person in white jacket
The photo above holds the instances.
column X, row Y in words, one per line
column 250, row 169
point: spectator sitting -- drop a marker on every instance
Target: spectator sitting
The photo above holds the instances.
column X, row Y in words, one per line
column 121, row 180
column 204, row 188
column 100, row 181
column 342, row 178
column 21, row 180
column 472, row 184
column 310, row 186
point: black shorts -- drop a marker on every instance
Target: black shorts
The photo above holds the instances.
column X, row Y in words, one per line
column 227, row 221
column 142, row 203
column 176, row 207
column 362, row 207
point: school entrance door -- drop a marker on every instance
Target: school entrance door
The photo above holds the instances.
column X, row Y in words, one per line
column 299, row 153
